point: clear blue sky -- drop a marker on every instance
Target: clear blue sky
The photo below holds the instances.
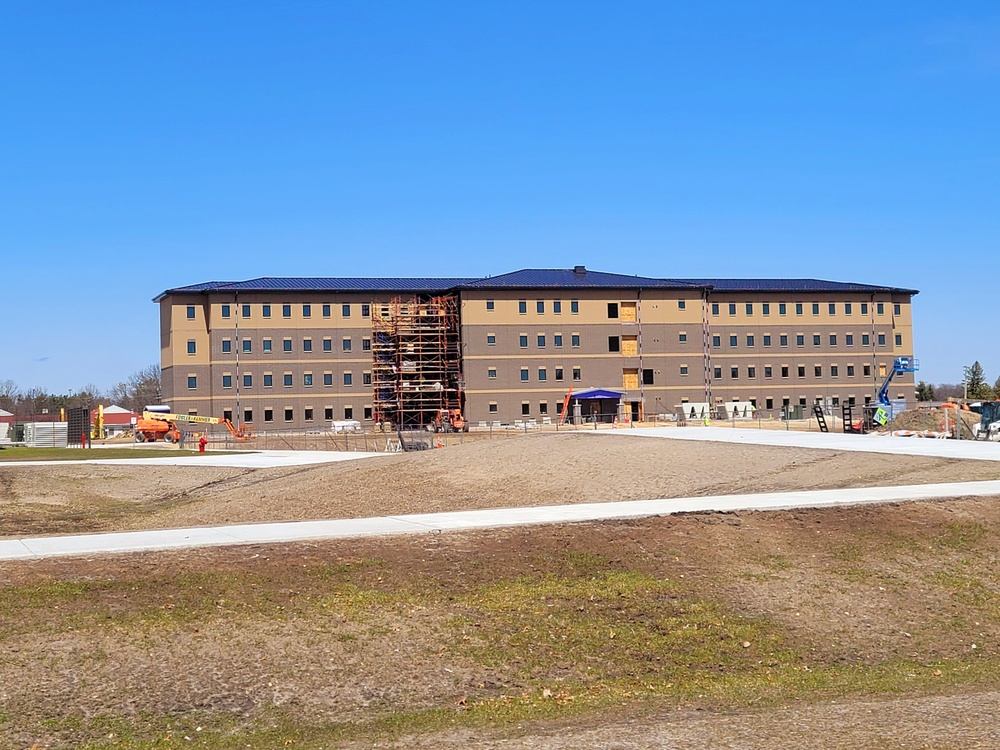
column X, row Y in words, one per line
column 146, row 145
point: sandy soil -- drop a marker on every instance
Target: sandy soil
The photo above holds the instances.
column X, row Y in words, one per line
column 241, row 632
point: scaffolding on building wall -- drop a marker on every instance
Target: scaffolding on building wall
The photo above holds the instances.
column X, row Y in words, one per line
column 416, row 360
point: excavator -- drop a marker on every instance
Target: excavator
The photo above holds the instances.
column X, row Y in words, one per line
column 159, row 425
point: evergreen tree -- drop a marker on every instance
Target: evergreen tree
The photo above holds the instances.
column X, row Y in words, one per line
column 925, row 391
column 975, row 381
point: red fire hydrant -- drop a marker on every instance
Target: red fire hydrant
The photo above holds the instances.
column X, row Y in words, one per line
column 202, row 442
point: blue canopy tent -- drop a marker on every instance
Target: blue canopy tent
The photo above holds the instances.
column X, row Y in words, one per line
column 596, row 404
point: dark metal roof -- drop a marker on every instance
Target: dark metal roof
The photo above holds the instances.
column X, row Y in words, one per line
column 574, row 278
column 286, row 284
column 528, row 278
column 793, row 285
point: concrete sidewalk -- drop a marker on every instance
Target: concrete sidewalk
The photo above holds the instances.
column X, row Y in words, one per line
column 871, row 443
column 242, row 460
column 271, row 533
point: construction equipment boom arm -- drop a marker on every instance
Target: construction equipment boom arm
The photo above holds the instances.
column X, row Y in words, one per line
column 901, row 365
column 166, row 417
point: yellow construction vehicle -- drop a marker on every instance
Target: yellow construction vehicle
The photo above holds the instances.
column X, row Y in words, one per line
column 155, row 425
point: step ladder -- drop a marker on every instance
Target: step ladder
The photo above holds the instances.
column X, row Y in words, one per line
column 820, row 418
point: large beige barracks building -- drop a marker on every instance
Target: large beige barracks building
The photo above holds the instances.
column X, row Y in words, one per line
column 297, row 353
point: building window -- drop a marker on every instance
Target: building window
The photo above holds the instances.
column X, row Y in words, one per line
column 286, row 345
column 577, row 375
column 327, row 345
column 540, row 307
column 266, row 345
column 751, row 372
column 268, row 415
column 849, row 339
column 768, row 371
column 899, row 339
column 866, row 340
column 866, row 370
column 818, row 371
column 268, row 380
column 366, row 378
column 307, row 379
column 190, row 312
column 227, row 381
column 246, row 311
column 265, row 311
column 833, row 339
column 681, row 304
column 896, row 309
column 815, row 308
column 348, row 379
column 782, row 308
column 833, row 308
column 490, row 305
column 247, row 380
column 614, row 344
column 734, row 372
column 732, row 340
column 749, row 308
column 750, row 339
column 543, row 407
column 366, row 344
column 732, row 308
column 715, row 308
column 834, row 371
column 783, row 339
column 557, row 340
column 798, row 308
column 574, row 340
column 491, row 373
column 307, row 311
column 542, row 375
column 767, row 339
column 881, row 339
column 227, row 346
column 326, row 311
column 524, row 374
column 879, row 308
column 559, row 373
column 717, row 373
column 800, row 340
column 523, row 340
column 327, row 378
column 716, row 341
column 784, row 371
column 286, row 311
column 816, row 339
column 346, row 345
column 327, row 412
column 684, row 369
column 522, row 306
column 541, row 341
column 307, row 414
column 525, row 409
column 612, row 309
column 493, row 407
column 192, row 382
column 850, row 371
column 647, row 377
column 765, row 308
column 682, row 338
column 847, row 308
column 289, row 415
column 226, row 311
column 574, row 306
column 864, row 308
column 192, row 347
column 366, row 310
column 368, row 412
column 801, row 371
column 557, row 306
column 491, row 339
column 248, row 415
column 287, row 380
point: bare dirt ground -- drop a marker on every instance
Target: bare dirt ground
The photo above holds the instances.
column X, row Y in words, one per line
column 868, row 627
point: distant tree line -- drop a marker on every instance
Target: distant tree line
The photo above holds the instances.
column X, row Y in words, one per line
column 140, row 388
column 974, row 386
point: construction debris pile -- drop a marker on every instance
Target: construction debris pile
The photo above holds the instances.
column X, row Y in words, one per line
column 933, row 419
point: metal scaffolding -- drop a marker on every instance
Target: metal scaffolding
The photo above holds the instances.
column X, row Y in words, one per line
column 417, row 364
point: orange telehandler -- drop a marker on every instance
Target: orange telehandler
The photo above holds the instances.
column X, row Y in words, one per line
column 154, row 425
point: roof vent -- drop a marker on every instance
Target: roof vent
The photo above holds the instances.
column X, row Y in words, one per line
column 580, row 270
